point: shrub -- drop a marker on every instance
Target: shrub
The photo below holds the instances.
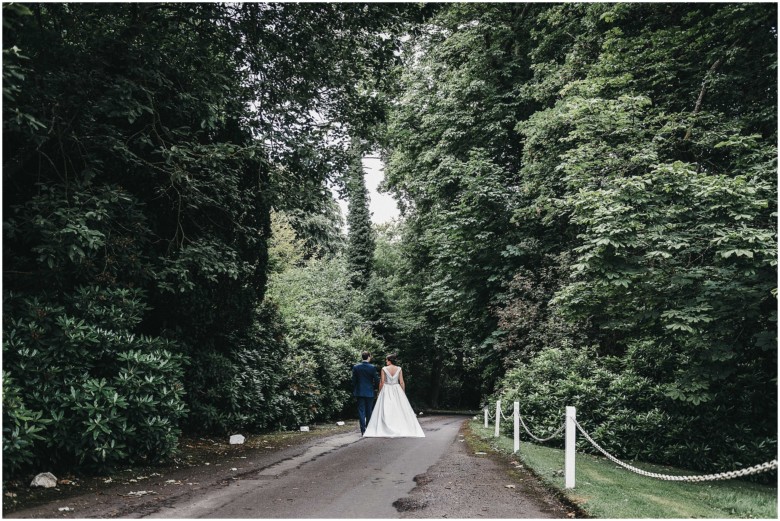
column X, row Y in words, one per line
column 239, row 388
column 629, row 414
column 85, row 391
column 326, row 333
column 21, row 428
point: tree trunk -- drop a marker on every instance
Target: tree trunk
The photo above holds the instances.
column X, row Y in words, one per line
column 436, row 372
column 697, row 107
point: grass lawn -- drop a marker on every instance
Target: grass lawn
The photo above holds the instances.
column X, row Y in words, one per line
column 606, row 490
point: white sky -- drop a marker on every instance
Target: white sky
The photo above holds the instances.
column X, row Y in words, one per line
column 382, row 206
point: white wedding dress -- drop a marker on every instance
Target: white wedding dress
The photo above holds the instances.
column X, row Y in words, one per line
column 393, row 416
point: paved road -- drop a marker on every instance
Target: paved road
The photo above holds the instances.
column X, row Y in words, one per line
column 343, row 476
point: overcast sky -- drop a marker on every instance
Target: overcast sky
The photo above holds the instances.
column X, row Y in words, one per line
column 382, row 206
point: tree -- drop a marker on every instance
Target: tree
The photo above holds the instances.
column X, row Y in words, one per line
column 598, row 177
column 150, row 142
column 360, row 245
column 452, row 161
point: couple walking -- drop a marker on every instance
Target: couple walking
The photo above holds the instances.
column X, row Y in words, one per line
column 392, row 416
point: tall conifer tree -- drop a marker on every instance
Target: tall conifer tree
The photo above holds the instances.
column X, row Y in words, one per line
column 360, row 247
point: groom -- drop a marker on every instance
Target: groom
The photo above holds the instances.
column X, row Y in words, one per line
column 364, row 379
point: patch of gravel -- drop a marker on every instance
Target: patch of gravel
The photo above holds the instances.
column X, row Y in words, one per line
column 466, row 485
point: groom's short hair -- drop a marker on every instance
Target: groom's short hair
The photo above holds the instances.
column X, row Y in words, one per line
column 366, row 355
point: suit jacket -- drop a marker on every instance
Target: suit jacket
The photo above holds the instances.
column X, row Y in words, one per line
column 364, row 379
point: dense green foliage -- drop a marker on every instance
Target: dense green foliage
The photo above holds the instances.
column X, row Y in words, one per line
column 326, row 333
column 589, row 210
column 84, row 372
column 590, row 202
column 145, row 147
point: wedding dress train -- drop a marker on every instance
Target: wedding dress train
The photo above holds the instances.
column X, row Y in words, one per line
column 393, row 416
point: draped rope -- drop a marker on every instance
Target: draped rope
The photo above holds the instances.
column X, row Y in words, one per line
column 755, row 469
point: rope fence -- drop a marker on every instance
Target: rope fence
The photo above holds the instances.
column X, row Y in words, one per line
column 542, row 440
column 571, row 425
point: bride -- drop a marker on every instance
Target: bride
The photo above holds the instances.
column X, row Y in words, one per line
column 393, row 417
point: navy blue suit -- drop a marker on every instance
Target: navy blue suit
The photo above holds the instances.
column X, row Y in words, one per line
column 364, row 379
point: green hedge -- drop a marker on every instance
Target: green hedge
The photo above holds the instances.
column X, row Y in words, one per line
column 85, row 391
column 630, row 415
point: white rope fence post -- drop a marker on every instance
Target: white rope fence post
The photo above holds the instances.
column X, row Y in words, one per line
column 571, row 426
column 517, row 427
column 498, row 417
column 571, row 433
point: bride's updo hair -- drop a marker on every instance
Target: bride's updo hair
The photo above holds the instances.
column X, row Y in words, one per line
column 392, row 357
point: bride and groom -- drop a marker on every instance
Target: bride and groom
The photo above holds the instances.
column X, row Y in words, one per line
column 392, row 416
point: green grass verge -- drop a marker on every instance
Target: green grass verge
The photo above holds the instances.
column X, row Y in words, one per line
column 605, row 490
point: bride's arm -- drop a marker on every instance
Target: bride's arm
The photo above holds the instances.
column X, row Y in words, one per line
column 401, row 380
column 381, row 381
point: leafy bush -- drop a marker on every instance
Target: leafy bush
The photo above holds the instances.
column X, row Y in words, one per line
column 629, row 414
column 239, row 388
column 85, row 391
column 21, row 428
column 326, row 333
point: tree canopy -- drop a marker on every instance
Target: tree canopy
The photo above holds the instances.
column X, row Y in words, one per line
column 600, row 179
column 589, row 217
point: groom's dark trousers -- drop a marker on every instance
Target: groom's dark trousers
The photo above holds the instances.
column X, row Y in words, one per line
column 364, row 379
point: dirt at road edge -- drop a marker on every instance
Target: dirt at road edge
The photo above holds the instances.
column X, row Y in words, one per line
column 467, row 485
column 204, row 463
